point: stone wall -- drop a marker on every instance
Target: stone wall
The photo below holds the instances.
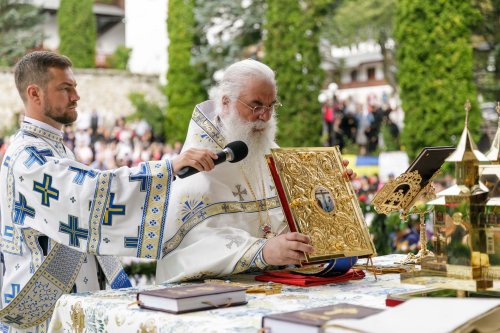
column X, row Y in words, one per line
column 103, row 90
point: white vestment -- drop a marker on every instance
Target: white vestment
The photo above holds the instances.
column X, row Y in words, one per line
column 215, row 219
column 48, row 197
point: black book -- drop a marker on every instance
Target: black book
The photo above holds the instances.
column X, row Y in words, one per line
column 429, row 161
column 314, row 320
column 191, row 298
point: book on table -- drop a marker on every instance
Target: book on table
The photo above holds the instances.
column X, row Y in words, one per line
column 191, row 298
column 314, row 320
column 438, row 314
column 396, row 299
column 318, row 200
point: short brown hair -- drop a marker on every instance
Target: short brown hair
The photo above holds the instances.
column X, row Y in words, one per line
column 33, row 68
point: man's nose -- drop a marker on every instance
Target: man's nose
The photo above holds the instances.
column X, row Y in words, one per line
column 75, row 97
column 266, row 115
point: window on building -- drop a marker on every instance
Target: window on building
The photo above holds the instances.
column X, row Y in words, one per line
column 371, row 73
column 354, row 76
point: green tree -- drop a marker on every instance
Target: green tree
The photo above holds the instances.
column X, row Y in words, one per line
column 227, row 31
column 19, row 30
column 184, row 87
column 119, row 58
column 356, row 21
column 486, row 38
column 77, row 32
column 291, row 48
column 151, row 112
column 434, row 55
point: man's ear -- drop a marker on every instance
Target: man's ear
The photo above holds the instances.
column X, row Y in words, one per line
column 33, row 93
column 225, row 100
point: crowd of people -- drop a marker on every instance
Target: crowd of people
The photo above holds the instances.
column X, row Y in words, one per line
column 362, row 124
column 129, row 142
column 88, row 193
column 102, row 145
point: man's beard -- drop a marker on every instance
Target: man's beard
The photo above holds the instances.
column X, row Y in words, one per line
column 258, row 135
column 61, row 116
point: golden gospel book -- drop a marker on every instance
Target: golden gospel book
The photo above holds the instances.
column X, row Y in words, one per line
column 314, row 320
column 318, row 200
column 191, row 298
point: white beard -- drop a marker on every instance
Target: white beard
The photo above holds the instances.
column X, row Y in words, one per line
column 259, row 137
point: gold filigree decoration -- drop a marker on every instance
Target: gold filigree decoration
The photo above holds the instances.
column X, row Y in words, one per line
column 309, row 269
column 399, row 194
column 197, row 276
column 293, row 296
column 56, row 325
column 423, row 252
column 260, row 288
column 429, row 192
column 77, row 318
column 148, row 327
column 342, row 232
column 120, row 319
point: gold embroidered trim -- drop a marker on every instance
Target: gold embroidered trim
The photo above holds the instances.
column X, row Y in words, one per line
column 209, row 211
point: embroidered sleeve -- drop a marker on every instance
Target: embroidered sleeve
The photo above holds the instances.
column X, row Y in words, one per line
column 114, row 212
column 253, row 258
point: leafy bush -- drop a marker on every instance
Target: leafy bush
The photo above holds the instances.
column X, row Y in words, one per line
column 184, row 89
column 152, row 113
column 119, row 58
column 77, row 32
column 291, row 48
column 434, row 55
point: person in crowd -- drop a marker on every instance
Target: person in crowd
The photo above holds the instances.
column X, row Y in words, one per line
column 229, row 220
column 61, row 221
column 328, row 119
column 364, row 120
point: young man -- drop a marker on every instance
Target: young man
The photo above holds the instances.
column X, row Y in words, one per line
column 230, row 220
column 62, row 221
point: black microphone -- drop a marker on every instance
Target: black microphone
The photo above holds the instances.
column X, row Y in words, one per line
column 232, row 152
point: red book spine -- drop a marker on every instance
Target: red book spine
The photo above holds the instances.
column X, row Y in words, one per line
column 281, row 194
column 392, row 302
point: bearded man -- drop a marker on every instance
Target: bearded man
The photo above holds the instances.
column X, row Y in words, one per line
column 229, row 220
column 61, row 222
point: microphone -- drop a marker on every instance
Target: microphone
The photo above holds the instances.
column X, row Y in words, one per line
column 232, row 152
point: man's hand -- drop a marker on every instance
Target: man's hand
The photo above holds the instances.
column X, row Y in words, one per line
column 348, row 172
column 287, row 249
column 200, row 159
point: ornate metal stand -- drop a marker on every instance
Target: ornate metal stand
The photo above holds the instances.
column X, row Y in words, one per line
column 423, row 252
column 392, row 198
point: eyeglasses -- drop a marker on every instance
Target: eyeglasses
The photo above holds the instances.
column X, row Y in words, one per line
column 261, row 109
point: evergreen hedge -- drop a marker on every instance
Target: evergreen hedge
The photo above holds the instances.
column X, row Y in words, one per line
column 184, row 89
column 77, row 32
column 434, row 56
column 291, row 48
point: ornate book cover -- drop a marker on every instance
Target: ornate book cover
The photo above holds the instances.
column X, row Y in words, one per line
column 319, row 200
